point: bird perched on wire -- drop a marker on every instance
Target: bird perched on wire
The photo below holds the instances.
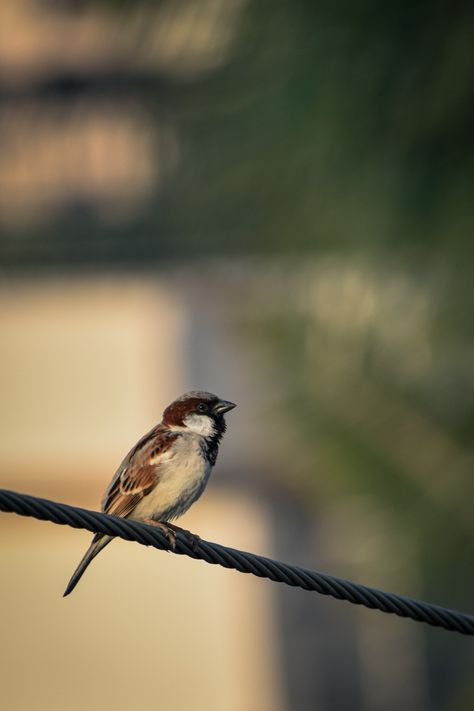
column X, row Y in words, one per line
column 166, row 471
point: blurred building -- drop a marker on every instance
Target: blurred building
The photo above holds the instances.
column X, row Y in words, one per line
column 86, row 368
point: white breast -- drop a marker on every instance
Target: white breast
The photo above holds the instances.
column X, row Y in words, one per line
column 182, row 479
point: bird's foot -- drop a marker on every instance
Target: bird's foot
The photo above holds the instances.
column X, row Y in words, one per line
column 166, row 528
column 193, row 538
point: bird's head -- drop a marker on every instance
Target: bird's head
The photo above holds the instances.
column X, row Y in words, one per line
column 199, row 412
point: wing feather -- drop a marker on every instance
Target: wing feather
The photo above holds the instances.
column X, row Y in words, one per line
column 139, row 473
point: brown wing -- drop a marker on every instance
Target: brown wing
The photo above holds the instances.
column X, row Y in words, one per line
column 131, row 486
column 139, row 472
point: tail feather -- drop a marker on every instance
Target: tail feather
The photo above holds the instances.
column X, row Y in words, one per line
column 99, row 542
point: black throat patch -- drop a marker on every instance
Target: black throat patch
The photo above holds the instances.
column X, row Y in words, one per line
column 210, row 445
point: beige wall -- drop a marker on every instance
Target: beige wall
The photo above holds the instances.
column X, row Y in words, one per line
column 84, row 371
column 86, row 367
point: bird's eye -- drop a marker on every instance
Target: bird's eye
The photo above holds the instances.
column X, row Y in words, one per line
column 202, row 407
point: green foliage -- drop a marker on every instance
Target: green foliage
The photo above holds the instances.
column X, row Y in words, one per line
column 342, row 126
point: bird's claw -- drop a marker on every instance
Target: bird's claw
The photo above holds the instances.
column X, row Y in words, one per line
column 166, row 529
column 170, row 530
column 193, row 538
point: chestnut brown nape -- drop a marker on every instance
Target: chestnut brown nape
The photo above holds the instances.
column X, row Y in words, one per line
column 185, row 405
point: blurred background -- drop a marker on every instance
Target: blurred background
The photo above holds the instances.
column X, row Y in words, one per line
column 272, row 201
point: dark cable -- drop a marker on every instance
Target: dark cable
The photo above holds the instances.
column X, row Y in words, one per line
column 216, row 554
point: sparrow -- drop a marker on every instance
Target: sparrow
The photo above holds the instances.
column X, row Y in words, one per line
column 166, row 471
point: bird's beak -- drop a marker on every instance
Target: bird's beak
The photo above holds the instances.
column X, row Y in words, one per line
column 223, row 406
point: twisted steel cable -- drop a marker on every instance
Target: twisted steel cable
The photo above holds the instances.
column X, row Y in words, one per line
column 215, row 554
